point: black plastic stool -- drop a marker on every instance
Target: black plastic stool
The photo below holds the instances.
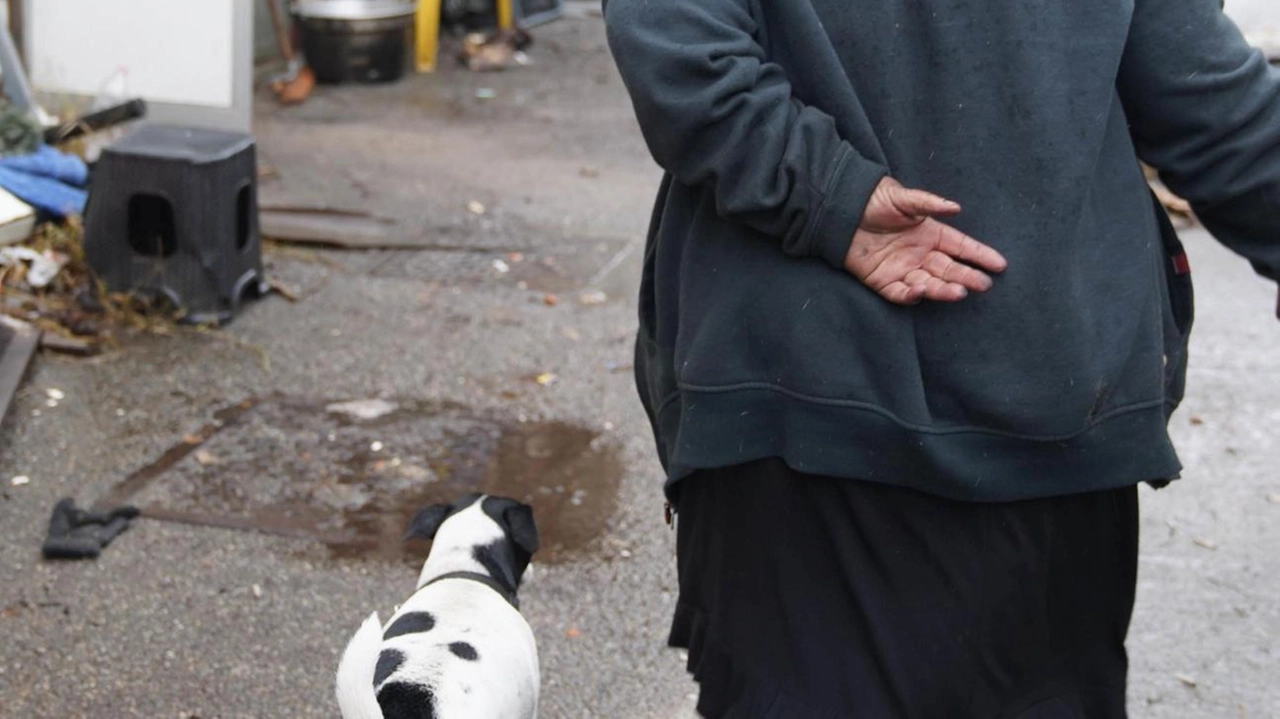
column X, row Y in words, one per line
column 173, row 211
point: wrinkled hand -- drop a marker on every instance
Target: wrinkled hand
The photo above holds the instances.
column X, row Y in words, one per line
column 906, row 255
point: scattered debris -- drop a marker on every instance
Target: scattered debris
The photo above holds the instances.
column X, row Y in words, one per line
column 1206, row 543
column 1273, row 498
column 95, row 122
column 476, row 207
column 257, row 591
column 546, row 378
column 43, row 266
column 571, row 334
column 79, row 534
column 69, row 345
column 21, row 480
column 501, row 267
column 593, row 298
column 1186, row 680
column 364, row 409
column 486, row 93
column 72, row 311
column 205, row 458
column 550, row 300
column 55, row 393
column 573, row 632
column 1196, row 420
column 488, row 53
column 283, row 290
column 20, row 131
column 589, row 172
column 375, row 446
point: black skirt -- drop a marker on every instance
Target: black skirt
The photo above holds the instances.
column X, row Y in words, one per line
column 805, row 596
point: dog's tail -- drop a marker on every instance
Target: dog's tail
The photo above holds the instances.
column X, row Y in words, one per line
column 356, row 697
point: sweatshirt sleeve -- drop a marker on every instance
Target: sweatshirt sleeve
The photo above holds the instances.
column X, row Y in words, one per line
column 1204, row 110
column 716, row 113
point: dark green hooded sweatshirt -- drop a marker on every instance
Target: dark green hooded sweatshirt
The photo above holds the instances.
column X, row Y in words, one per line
column 775, row 119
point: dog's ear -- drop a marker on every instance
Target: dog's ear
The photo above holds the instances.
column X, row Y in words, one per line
column 428, row 521
column 524, row 531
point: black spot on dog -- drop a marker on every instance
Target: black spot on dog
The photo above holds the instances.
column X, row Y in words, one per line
column 411, row 623
column 388, row 662
column 462, row 650
column 401, row 700
column 498, row 560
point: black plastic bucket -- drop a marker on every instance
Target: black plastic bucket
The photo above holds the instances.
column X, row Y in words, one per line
column 350, row 42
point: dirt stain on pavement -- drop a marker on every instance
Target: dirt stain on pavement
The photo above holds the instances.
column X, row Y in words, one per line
column 353, row 479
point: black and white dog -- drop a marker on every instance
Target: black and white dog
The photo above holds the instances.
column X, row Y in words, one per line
column 458, row 647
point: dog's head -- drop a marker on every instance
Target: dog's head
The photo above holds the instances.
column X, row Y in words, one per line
column 497, row 533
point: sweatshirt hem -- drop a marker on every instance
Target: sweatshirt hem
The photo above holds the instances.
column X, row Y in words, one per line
column 707, row 430
column 915, row 426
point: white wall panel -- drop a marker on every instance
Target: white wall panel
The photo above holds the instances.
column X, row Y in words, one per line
column 174, row 51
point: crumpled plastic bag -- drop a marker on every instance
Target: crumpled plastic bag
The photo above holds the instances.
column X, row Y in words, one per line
column 45, row 266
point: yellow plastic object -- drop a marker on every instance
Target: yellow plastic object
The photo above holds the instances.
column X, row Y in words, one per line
column 427, row 32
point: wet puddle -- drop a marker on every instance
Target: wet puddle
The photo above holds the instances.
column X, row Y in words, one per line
column 352, row 475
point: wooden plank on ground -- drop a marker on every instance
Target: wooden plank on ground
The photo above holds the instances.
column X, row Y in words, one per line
column 18, row 341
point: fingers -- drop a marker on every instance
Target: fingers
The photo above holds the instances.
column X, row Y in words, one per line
column 933, row 287
column 918, row 203
column 900, row 293
column 948, row 270
column 919, row 285
column 894, row 207
column 960, row 246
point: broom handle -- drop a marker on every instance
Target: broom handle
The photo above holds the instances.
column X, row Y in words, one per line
column 282, row 38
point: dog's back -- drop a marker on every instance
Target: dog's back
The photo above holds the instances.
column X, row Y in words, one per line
column 356, row 697
column 453, row 666
column 458, row 647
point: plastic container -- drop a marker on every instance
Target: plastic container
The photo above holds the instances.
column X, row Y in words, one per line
column 173, row 212
column 355, row 40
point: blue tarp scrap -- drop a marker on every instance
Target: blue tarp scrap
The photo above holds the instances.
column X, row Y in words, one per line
column 48, row 180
